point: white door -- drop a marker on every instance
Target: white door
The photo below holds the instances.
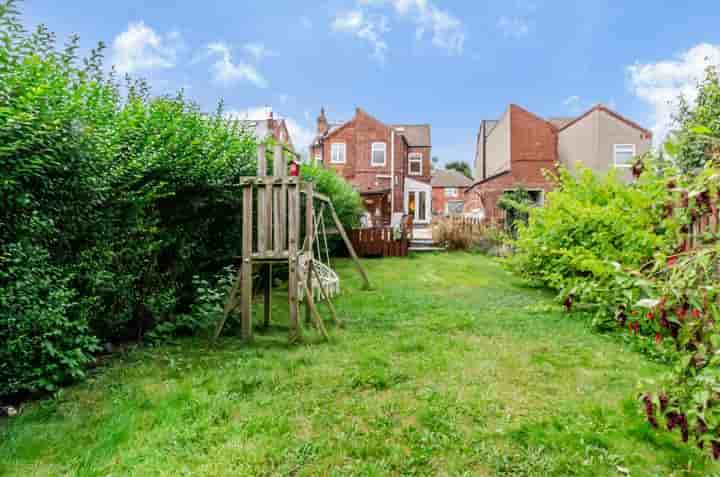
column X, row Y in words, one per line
column 417, row 204
column 418, row 197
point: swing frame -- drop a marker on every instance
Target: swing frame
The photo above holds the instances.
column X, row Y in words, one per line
column 277, row 221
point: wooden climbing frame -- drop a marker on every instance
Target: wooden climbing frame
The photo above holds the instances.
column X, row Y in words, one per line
column 277, row 222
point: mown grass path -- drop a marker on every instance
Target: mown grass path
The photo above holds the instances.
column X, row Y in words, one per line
column 449, row 367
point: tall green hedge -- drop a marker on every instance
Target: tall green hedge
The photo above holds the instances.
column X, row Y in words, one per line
column 111, row 202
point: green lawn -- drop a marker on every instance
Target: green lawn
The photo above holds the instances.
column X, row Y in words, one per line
column 449, row 367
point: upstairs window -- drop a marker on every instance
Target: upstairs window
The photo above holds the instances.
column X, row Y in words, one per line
column 338, row 153
column 624, row 155
column 451, row 192
column 318, row 156
column 415, row 165
column 379, row 152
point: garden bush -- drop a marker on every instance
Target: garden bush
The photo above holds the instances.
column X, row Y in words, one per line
column 591, row 225
column 114, row 206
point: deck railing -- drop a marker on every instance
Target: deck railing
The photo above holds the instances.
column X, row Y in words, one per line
column 383, row 241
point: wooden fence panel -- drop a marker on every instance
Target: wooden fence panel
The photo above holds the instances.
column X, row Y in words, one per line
column 378, row 242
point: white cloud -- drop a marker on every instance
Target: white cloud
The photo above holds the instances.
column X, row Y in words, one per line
column 514, row 27
column 257, row 113
column 573, row 103
column 571, row 100
column 258, row 51
column 140, row 48
column 227, row 72
column 661, row 84
column 445, row 30
column 370, row 29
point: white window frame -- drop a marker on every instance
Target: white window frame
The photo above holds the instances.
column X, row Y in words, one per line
column 379, row 146
column 615, row 154
column 451, row 192
column 415, row 157
column 340, row 147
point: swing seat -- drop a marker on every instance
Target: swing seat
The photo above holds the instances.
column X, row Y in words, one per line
column 328, row 278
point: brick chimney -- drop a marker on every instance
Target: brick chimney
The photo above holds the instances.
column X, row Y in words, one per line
column 322, row 123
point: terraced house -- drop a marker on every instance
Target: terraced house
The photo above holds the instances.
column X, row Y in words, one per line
column 388, row 164
column 516, row 149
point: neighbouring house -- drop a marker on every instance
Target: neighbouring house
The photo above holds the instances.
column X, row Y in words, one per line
column 519, row 147
column 448, row 191
column 269, row 126
column 601, row 139
column 388, row 164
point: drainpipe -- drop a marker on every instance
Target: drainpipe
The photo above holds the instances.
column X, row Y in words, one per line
column 392, row 171
column 484, row 149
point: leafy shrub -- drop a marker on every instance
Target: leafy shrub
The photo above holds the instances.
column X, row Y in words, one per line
column 516, row 204
column 692, row 151
column 346, row 200
column 44, row 340
column 206, row 311
column 592, row 225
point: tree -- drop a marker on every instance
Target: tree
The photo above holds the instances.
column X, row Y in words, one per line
column 460, row 166
column 698, row 126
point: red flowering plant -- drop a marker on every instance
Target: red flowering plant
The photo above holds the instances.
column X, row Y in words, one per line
column 688, row 396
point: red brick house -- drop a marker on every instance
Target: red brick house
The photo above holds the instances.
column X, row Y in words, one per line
column 389, row 165
column 518, row 148
column 448, row 191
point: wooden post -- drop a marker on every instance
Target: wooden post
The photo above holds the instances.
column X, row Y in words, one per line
column 315, row 314
column 262, row 203
column 279, row 170
column 309, row 242
column 267, row 302
column 230, row 305
column 293, row 236
column 246, row 267
column 264, row 228
column 349, row 246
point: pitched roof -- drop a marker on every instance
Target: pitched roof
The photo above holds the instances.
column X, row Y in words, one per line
column 449, row 178
column 561, row 121
column 605, row 109
column 417, row 135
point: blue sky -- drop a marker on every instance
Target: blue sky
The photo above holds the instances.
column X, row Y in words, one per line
column 447, row 63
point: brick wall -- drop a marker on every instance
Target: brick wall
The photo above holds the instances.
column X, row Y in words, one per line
column 358, row 136
column 533, row 148
column 439, row 200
